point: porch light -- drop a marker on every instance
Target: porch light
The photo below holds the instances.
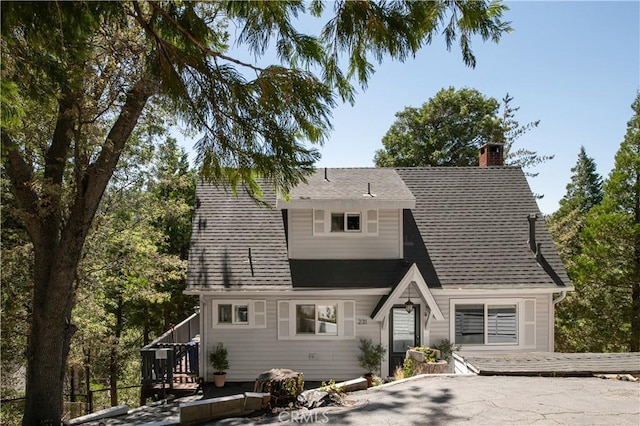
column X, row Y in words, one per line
column 408, row 305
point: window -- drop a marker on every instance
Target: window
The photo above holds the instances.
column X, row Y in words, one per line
column 239, row 314
column 488, row 323
column 340, row 224
column 316, row 319
column 345, row 222
column 233, row 313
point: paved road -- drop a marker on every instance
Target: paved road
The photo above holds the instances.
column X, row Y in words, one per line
column 480, row 400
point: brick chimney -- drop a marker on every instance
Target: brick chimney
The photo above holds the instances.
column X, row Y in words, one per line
column 491, row 154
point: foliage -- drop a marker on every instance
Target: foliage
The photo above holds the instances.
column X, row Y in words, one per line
column 219, row 358
column 377, row 380
column 584, row 192
column 79, row 79
column 603, row 314
column 429, row 354
column 398, row 373
column 446, row 349
column 293, row 387
column 370, row 355
column 449, row 128
column 407, row 367
column 331, row 387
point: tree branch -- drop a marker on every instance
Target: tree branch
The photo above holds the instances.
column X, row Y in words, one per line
column 197, row 42
column 21, row 177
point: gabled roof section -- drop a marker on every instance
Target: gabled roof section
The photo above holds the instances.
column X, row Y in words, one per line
column 359, row 187
column 413, row 275
column 473, row 222
column 225, row 230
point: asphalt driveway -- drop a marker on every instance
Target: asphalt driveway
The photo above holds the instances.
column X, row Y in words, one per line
column 479, row 400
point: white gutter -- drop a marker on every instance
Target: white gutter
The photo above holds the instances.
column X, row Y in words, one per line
column 560, row 298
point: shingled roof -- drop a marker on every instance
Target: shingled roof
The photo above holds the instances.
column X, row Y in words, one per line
column 468, row 229
column 224, row 229
column 473, row 223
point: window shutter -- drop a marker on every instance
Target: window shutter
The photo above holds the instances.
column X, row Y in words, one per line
column 260, row 313
column 283, row 320
column 372, row 222
column 348, row 329
column 530, row 323
column 318, row 222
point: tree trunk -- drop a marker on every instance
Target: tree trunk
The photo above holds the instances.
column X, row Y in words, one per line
column 87, row 380
column 58, row 247
column 113, row 361
column 146, row 330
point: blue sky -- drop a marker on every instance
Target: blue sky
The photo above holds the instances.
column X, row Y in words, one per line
column 575, row 66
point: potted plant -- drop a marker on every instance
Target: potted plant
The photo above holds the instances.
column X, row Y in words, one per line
column 220, row 362
column 370, row 358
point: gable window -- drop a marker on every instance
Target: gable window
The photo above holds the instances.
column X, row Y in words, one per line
column 345, row 222
column 316, row 319
column 239, row 313
column 489, row 323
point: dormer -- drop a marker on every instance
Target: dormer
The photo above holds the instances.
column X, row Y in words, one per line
column 345, row 213
column 357, row 188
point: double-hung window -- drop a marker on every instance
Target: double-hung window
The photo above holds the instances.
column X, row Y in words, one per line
column 345, row 222
column 239, row 314
column 316, row 319
column 490, row 323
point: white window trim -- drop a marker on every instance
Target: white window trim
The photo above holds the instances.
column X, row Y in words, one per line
column 251, row 323
column 342, row 322
column 520, row 312
column 325, row 223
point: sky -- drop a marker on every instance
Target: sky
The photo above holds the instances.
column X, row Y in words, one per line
column 575, row 66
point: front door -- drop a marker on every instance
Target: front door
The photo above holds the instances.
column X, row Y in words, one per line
column 404, row 332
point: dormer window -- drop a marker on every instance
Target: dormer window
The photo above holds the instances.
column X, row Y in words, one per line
column 345, row 222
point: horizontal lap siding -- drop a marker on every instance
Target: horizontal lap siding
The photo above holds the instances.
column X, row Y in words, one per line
column 304, row 245
column 253, row 351
column 439, row 330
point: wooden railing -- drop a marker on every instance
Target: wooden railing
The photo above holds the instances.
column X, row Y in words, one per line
column 173, row 357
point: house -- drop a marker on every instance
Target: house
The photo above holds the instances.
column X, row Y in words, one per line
column 405, row 257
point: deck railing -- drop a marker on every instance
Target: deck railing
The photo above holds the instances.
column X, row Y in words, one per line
column 172, row 357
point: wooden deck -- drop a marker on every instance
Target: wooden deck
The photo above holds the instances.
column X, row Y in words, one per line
column 550, row 363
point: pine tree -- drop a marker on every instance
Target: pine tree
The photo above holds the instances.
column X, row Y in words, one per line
column 605, row 308
column 584, row 192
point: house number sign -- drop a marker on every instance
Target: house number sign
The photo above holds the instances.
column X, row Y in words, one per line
column 362, row 321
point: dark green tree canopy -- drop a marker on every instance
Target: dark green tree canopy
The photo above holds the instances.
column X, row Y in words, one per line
column 584, row 191
column 603, row 314
column 450, row 127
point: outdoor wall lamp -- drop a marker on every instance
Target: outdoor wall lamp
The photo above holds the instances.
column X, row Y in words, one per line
column 408, row 305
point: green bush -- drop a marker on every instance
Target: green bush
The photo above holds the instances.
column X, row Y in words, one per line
column 371, row 355
column 407, row 367
column 446, row 349
column 219, row 358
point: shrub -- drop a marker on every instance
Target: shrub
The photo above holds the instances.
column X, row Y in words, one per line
column 446, row 349
column 370, row 355
column 407, row 367
column 219, row 358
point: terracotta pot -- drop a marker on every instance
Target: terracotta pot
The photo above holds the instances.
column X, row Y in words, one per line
column 369, row 378
column 219, row 378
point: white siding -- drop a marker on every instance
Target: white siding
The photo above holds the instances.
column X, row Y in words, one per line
column 304, row 245
column 253, row 351
column 439, row 330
